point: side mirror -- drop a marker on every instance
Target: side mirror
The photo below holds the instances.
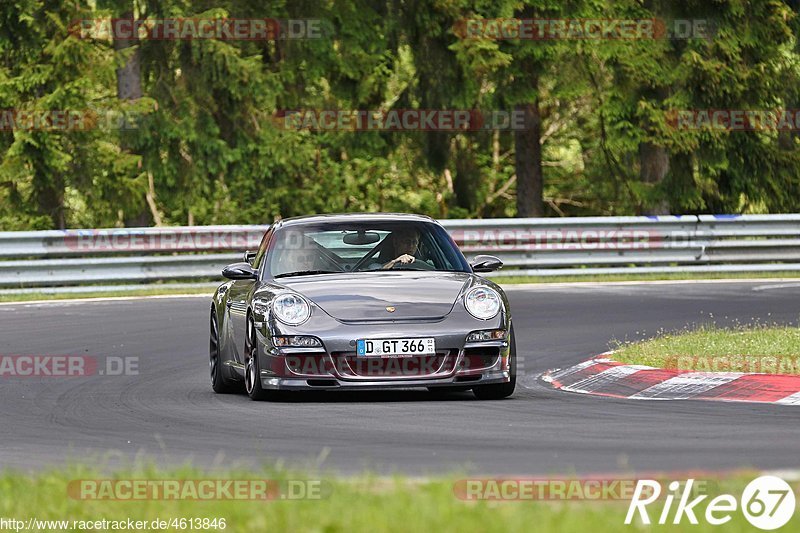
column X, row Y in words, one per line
column 485, row 263
column 249, row 256
column 239, row 271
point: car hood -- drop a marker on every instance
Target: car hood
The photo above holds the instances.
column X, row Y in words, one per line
column 365, row 296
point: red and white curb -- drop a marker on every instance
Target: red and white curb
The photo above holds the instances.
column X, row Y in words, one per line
column 602, row 376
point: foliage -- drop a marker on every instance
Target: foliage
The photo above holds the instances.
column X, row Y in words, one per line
column 205, row 144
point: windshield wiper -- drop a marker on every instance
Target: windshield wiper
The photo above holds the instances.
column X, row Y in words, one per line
column 398, row 269
column 305, row 273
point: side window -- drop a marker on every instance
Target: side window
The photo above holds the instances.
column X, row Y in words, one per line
column 262, row 249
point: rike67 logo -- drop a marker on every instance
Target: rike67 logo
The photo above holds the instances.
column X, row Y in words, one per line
column 767, row 502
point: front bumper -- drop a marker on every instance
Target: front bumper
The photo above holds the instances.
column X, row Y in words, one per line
column 321, row 369
column 332, row 383
column 335, row 366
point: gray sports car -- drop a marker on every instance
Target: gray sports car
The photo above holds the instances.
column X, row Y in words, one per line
column 358, row 302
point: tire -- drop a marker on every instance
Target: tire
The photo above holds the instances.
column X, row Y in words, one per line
column 501, row 390
column 252, row 370
column 220, row 383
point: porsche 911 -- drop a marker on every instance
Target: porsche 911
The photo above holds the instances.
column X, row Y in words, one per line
column 361, row 302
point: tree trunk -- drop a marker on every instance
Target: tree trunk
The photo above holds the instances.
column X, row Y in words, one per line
column 49, row 189
column 129, row 87
column 129, row 75
column 683, row 196
column 528, row 161
column 467, row 176
column 653, row 167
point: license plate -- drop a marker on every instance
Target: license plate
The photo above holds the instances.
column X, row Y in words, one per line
column 396, row 347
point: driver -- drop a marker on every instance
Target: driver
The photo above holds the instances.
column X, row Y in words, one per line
column 405, row 242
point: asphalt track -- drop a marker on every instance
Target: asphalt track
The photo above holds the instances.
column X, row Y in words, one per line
column 168, row 413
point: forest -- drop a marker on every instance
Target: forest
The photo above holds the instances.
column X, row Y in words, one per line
column 128, row 113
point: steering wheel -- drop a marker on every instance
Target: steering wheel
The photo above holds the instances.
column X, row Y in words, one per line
column 418, row 264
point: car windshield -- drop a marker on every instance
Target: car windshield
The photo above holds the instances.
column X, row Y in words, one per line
column 362, row 246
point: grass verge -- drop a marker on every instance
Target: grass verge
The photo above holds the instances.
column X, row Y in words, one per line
column 364, row 503
column 769, row 349
column 678, row 276
column 511, row 280
column 28, row 297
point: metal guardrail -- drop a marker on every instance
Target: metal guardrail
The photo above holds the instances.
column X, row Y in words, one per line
column 527, row 246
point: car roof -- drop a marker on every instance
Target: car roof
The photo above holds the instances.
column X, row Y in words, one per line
column 355, row 217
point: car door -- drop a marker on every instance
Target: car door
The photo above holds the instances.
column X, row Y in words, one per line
column 238, row 302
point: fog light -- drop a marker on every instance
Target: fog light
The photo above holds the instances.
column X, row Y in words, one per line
column 299, row 341
column 487, row 335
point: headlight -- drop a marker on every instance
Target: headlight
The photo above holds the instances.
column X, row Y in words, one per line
column 297, row 341
column 291, row 309
column 483, row 302
column 487, row 335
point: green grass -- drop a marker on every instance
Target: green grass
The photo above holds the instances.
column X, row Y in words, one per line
column 28, row 297
column 363, row 503
column 511, row 280
column 761, row 348
column 679, row 276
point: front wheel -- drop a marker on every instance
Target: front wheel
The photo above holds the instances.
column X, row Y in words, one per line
column 501, row 390
column 252, row 370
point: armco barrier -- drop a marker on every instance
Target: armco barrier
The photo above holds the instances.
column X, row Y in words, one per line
column 527, row 246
